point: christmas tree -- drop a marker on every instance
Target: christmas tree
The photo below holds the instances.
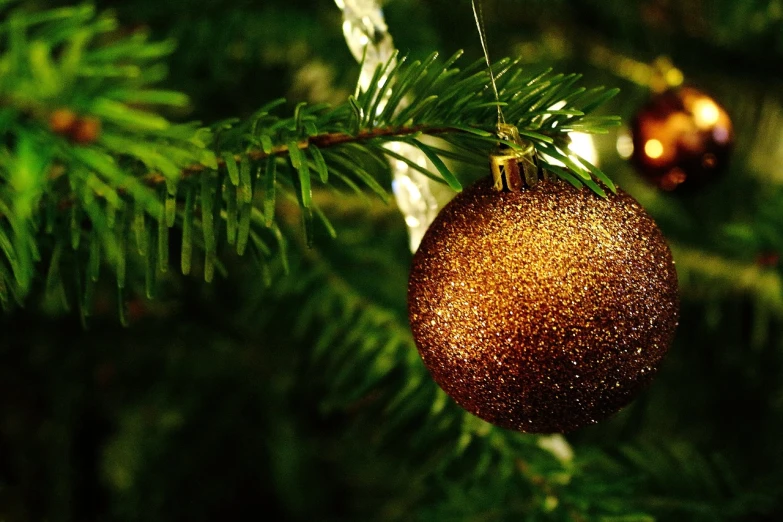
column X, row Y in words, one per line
column 207, row 217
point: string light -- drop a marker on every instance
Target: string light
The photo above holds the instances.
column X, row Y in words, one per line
column 367, row 36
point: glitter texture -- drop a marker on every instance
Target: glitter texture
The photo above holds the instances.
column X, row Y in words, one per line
column 542, row 310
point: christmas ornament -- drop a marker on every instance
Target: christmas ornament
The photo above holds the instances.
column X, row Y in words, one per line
column 80, row 130
column 682, row 138
column 86, row 130
column 62, row 121
column 545, row 309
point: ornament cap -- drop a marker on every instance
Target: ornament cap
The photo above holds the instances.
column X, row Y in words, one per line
column 513, row 166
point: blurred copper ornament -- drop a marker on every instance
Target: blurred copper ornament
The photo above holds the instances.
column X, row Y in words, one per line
column 542, row 310
column 62, row 121
column 82, row 130
column 87, row 130
column 682, row 139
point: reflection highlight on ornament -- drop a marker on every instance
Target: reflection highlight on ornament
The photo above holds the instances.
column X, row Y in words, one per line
column 721, row 134
column 705, row 113
column 653, row 149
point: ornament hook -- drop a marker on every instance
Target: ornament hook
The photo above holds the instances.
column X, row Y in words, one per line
column 515, row 159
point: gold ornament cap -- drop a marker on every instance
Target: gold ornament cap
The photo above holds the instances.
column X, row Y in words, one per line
column 513, row 164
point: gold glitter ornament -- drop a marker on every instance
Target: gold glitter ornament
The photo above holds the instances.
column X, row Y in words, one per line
column 542, row 310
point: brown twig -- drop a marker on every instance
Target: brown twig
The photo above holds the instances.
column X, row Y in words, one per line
column 321, row 141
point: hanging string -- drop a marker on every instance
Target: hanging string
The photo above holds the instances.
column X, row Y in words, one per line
column 511, row 168
column 478, row 15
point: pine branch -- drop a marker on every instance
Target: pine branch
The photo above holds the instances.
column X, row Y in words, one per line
column 680, row 480
column 362, row 352
column 88, row 140
column 319, row 141
column 704, row 275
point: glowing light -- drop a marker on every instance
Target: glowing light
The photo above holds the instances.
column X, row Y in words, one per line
column 558, row 446
column 674, row 77
column 653, row 149
column 625, row 146
column 705, row 113
column 404, row 185
column 582, row 144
